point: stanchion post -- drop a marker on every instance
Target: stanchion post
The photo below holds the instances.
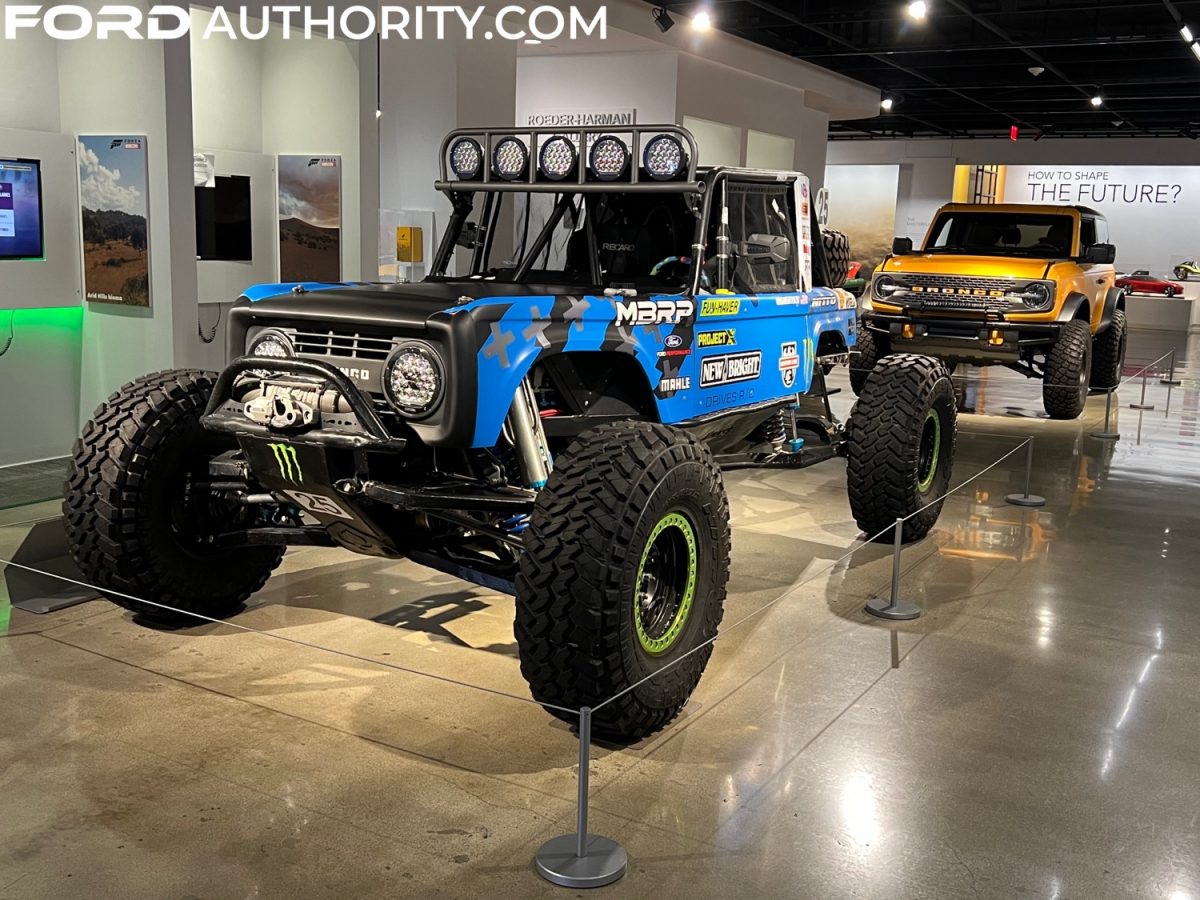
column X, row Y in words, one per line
column 1143, row 404
column 1107, row 434
column 1027, row 499
column 894, row 608
column 582, row 860
column 1171, row 380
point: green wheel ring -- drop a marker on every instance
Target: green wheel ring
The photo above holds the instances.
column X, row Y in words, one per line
column 927, row 482
column 659, row 645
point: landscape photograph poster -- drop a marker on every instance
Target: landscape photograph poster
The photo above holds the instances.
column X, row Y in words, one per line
column 862, row 205
column 112, row 191
column 310, row 218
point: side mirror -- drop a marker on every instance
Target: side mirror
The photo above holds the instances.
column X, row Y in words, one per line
column 765, row 248
column 902, row 247
column 1100, row 254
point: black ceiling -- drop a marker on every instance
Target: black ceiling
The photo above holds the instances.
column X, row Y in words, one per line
column 964, row 71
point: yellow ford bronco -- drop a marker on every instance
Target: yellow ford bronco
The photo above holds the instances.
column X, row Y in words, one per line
column 1029, row 287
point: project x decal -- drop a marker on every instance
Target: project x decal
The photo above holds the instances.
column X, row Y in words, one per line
column 726, row 337
column 730, row 368
column 288, row 462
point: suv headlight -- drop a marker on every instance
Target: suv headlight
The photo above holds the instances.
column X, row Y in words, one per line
column 1038, row 295
column 412, row 379
column 885, row 286
column 272, row 343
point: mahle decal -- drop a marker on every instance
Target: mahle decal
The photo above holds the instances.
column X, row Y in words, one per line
column 670, row 385
column 726, row 337
column 721, row 307
column 288, row 462
column 654, row 312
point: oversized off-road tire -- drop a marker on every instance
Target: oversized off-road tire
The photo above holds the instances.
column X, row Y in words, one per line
column 864, row 355
column 837, row 257
column 134, row 525
column 1108, row 352
column 1068, row 371
column 901, row 438
column 624, row 571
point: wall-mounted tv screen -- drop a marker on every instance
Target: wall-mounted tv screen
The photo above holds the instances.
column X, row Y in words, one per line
column 21, row 209
column 223, row 220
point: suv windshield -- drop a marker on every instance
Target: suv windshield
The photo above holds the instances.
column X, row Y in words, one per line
column 1003, row 234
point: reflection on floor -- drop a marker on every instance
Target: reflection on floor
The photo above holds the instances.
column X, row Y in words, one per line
column 1038, row 739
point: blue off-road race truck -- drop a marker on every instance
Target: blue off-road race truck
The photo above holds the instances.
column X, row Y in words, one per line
column 552, row 422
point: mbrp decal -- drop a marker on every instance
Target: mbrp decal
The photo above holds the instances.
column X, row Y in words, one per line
column 653, row 312
column 730, row 368
column 726, row 337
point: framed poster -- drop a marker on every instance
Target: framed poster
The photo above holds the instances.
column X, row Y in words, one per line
column 861, row 203
column 116, row 219
column 310, row 218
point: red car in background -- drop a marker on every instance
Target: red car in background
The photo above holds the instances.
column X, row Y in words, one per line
column 1142, row 282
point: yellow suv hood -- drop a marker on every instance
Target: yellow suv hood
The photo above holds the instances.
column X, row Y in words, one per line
column 955, row 264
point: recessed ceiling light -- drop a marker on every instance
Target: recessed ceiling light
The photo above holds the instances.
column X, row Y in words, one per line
column 1196, row 49
column 1187, row 34
column 702, row 21
column 1097, row 100
column 918, row 9
column 886, row 104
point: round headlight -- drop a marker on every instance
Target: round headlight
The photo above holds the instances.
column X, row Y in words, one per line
column 274, row 344
column 885, row 286
column 608, row 158
column 413, row 379
column 509, row 159
column 466, row 158
column 557, row 158
column 664, row 158
column 1036, row 296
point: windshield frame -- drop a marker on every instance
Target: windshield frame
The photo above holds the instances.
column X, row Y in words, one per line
column 1012, row 216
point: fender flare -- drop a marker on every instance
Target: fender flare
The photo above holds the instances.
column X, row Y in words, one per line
column 1071, row 306
column 1113, row 300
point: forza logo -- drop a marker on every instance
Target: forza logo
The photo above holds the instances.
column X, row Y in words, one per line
column 288, row 462
column 730, row 368
column 654, row 312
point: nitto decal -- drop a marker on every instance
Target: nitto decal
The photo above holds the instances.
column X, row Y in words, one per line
column 653, row 312
column 288, row 462
column 789, row 362
column 721, row 307
column 669, row 385
column 730, row 368
column 318, row 505
column 726, row 337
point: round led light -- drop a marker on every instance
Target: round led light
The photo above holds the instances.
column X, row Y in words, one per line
column 557, row 158
column 608, row 158
column 273, row 344
column 885, row 286
column 413, row 379
column 664, row 158
column 466, row 158
column 1036, row 295
column 509, row 159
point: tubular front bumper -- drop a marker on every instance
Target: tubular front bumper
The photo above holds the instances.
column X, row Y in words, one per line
column 223, row 414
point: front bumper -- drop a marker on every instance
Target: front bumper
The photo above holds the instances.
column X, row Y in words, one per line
column 974, row 340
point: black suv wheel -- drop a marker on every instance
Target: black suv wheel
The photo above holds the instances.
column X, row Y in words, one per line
column 1068, row 371
column 624, row 573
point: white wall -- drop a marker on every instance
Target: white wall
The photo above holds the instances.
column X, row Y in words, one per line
column 227, row 105
column 29, row 86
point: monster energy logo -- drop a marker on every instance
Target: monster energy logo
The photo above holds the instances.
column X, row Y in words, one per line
column 288, row 462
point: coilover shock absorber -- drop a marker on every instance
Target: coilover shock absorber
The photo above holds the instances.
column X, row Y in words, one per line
column 773, row 431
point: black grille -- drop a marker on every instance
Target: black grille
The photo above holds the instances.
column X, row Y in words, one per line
column 347, row 344
column 960, row 282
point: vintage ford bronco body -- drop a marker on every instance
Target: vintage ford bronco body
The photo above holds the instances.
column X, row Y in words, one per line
column 551, row 423
column 1024, row 286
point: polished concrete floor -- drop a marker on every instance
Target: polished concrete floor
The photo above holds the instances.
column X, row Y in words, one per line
column 1040, row 736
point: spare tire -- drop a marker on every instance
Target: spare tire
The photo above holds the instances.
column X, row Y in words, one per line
column 836, row 258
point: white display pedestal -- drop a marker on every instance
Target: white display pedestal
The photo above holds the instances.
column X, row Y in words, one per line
column 1161, row 313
